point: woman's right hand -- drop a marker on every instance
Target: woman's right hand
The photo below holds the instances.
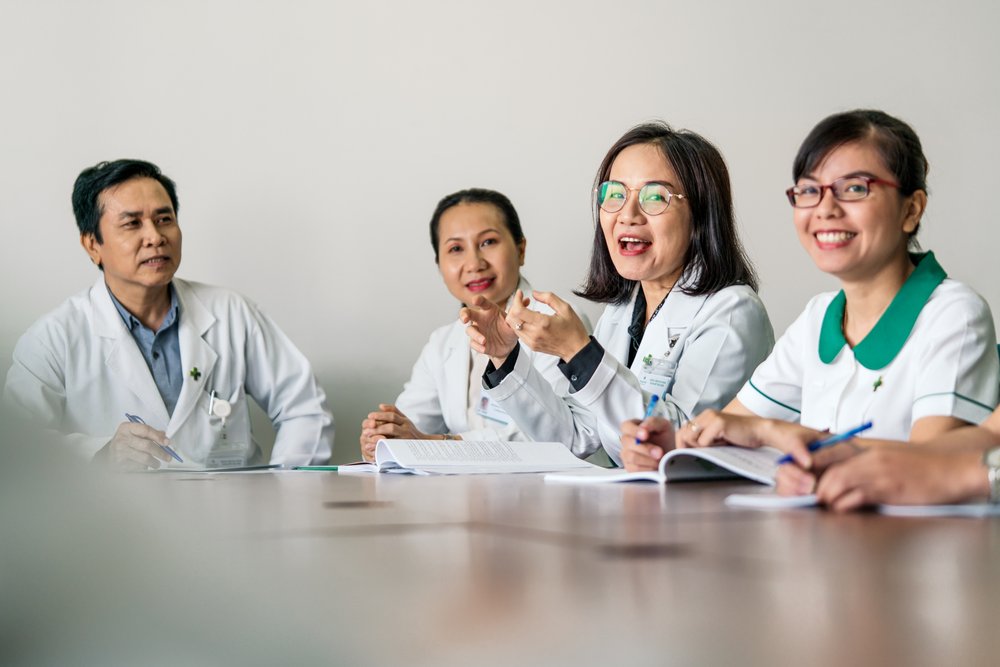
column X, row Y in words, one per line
column 487, row 329
column 386, row 423
column 794, row 480
column 645, row 443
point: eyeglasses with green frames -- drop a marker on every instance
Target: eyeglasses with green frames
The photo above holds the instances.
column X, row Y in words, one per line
column 654, row 197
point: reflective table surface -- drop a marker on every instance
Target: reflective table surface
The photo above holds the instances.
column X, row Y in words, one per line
column 321, row 568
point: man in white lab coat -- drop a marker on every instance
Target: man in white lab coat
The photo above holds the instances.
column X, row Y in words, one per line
column 144, row 369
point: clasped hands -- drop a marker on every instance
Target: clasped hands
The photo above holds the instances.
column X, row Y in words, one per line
column 496, row 333
column 388, row 422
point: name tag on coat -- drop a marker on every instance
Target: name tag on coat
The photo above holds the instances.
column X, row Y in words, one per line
column 656, row 372
column 491, row 410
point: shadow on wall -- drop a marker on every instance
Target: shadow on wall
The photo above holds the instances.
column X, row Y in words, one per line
column 349, row 399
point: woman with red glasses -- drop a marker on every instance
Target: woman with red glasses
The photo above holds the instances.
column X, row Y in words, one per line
column 683, row 322
column 900, row 344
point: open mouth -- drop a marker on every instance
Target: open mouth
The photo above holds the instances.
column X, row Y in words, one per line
column 155, row 262
column 834, row 238
column 631, row 245
column 480, row 285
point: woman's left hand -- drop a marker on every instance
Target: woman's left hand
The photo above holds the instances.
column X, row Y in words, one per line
column 722, row 428
column 561, row 334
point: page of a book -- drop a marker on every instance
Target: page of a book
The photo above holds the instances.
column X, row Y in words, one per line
column 758, row 464
column 357, row 468
column 703, row 463
column 450, row 457
column 769, row 501
column 772, row 501
column 960, row 510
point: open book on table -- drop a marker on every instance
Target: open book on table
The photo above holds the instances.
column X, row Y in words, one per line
column 452, row 457
column 703, row 463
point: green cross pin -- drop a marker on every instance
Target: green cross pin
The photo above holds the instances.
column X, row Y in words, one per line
column 195, row 373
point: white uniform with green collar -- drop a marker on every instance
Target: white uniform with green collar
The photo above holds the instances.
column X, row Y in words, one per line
column 932, row 353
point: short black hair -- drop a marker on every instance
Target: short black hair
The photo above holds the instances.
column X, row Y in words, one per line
column 92, row 181
column 476, row 196
column 896, row 143
column 715, row 256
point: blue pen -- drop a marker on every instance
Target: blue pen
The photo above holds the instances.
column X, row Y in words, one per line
column 826, row 442
column 649, row 412
column 136, row 419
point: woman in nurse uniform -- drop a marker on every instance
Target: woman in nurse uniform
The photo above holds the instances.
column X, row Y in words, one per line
column 683, row 320
column 479, row 249
column 900, row 345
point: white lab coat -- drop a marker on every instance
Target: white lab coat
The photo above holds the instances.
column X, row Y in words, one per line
column 437, row 394
column 78, row 370
column 718, row 340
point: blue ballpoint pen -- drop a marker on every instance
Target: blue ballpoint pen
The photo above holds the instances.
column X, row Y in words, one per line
column 826, row 442
column 136, row 419
column 649, row 412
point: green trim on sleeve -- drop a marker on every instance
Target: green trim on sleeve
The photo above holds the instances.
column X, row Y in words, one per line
column 890, row 333
column 956, row 395
column 775, row 401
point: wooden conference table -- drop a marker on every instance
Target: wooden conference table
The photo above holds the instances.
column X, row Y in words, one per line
column 508, row 570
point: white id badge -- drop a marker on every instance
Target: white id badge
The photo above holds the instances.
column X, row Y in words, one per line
column 231, row 447
column 228, row 456
column 656, row 373
column 491, row 410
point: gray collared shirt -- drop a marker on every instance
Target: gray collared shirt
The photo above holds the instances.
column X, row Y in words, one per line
column 161, row 349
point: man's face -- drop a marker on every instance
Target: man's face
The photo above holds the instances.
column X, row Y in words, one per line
column 142, row 240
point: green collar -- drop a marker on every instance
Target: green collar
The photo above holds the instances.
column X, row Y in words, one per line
column 886, row 339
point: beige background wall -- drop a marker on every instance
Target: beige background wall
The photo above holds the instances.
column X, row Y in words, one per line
column 311, row 140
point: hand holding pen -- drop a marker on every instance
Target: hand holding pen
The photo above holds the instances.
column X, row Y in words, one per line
column 796, row 480
column 645, row 442
column 817, row 445
column 136, row 419
column 653, row 400
column 136, row 446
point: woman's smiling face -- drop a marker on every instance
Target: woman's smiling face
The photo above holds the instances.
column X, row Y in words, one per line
column 855, row 240
column 477, row 254
column 647, row 248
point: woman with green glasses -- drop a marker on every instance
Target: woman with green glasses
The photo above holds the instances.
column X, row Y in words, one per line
column 900, row 345
column 683, row 320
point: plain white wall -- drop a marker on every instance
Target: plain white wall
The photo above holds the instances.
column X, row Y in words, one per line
column 311, row 140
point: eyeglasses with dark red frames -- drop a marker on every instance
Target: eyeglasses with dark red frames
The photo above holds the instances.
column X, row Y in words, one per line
column 851, row 188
